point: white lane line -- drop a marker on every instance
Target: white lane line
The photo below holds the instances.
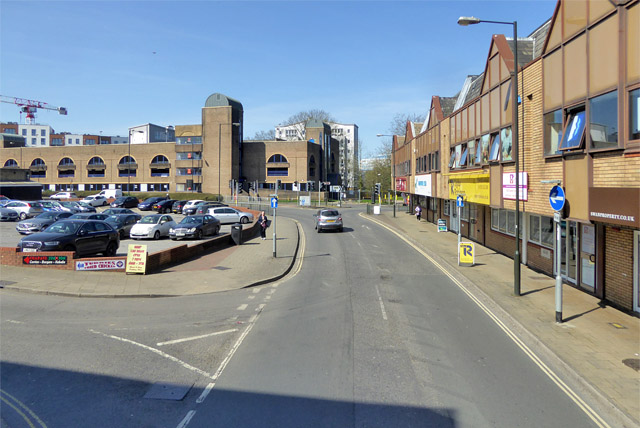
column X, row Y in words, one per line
column 267, row 298
column 186, row 419
column 202, row 336
column 251, row 297
column 157, row 351
column 242, row 307
column 256, row 290
column 595, row 417
column 384, row 313
column 206, row 392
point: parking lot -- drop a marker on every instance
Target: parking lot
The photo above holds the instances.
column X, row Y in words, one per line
column 9, row 236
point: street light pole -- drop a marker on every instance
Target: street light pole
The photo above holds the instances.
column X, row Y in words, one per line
column 464, row 21
column 393, row 169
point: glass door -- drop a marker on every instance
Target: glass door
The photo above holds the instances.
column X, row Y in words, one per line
column 473, row 220
column 588, row 257
column 569, row 248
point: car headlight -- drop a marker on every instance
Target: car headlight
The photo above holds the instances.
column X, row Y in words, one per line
column 51, row 243
column 172, row 230
column 193, row 229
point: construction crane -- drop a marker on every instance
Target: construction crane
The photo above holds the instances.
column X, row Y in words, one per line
column 30, row 107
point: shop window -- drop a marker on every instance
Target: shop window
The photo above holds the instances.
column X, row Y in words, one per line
column 504, row 221
column 634, row 114
column 603, row 121
column 495, row 219
column 458, row 156
column 573, row 136
column 494, row 154
column 446, row 207
column 482, row 152
column 463, row 157
column 472, row 153
column 552, row 132
column 541, row 231
column 505, row 138
column 452, row 158
column 465, row 212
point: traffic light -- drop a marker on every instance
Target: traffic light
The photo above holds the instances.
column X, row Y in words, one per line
column 323, row 188
column 278, row 184
column 311, row 185
column 378, row 188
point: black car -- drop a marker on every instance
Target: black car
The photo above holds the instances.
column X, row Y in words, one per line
column 164, row 206
column 41, row 222
column 123, row 223
column 195, row 226
column 177, row 207
column 114, row 211
column 89, row 216
column 147, row 204
column 84, row 237
column 125, row 202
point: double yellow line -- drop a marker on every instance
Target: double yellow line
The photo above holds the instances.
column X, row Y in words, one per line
column 32, row 420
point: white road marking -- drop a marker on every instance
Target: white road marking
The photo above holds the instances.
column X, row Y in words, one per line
column 186, row 419
column 251, row 297
column 15, row 322
column 206, row 392
column 157, row 351
column 267, row 298
column 595, row 417
column 242, row 307
column 384, row 313
column 186, row 339
column 256, row 290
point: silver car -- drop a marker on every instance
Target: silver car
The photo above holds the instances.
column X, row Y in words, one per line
column 8, row 215
column 41, row 222
column 25, row 209
column 328, row 219
column 230, row 215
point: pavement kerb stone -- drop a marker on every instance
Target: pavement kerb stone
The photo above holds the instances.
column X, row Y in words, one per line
column 596, row 398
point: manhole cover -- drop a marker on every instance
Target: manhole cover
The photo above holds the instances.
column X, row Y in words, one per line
column 167, row 391
column 634, row 363
column 220, row 268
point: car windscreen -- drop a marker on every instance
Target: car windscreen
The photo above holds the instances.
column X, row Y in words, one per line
column 49, row 214
column 150, row 220
column 115, row 219
column 66, row 227
column 191, row 219
column 330, row 213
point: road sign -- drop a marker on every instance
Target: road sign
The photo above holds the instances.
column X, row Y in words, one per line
column 460, row 201
column 466, row 254
column 274, row 202
column 556, row 198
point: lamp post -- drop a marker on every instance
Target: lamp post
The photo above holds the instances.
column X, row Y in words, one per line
column 131, row 131
column 470, row 20
column 393, row 170
column 220, row 149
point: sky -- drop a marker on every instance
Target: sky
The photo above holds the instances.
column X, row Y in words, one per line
column 118, row 64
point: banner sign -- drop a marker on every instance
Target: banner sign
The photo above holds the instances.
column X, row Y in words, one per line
column 423, row 185
column 466, row 254
column 442, row 225
column 401, row 184
column 509, row 186
column 44, row 260
column 99, row 264
column 137, row 258
column 475, row 187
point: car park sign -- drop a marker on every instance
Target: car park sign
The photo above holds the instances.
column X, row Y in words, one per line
column 557, row 198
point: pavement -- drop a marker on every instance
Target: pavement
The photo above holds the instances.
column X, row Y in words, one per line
column 596, row 347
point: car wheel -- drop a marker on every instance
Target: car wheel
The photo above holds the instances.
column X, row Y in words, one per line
column 200, row 234
column 318, row 229
column 23, row 216
column 156, row 235
column 122, row 234
column 244, row 220
column 111, row 250
column 340, row 230
column 217, row 230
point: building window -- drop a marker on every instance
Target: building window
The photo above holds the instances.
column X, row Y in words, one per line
column 463, row 157
column 127, row 167
column 312, row 166
column 552, row 132
column 504, row 221
column 634, row 114
column 43, row 141
column 505, row 137
column 11, row 163
column 277, row 159
column 482, row 152
column 77, row 140
column 446, row 207
column 541, row 230
column 603, row 121
column 24, row 132
column 277, row 172
column 43, row 133
column 33, row 132
column 471, row 147
column 573, row 135
column 57, row 142
column 494, row 154
column 90, row 142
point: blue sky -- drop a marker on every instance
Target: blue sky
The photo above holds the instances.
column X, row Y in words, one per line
column 117, row 64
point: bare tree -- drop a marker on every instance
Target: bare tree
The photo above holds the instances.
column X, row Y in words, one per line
column 398, row 125
column 265, row 135
column 299, row 121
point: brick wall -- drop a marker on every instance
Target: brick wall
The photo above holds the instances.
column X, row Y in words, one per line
column 618, row 266
column 537, row 261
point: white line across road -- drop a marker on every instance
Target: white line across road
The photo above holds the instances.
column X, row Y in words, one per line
column 242, row 307
column 202, row 336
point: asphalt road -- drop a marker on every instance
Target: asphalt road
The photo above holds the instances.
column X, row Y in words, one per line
column 365, row 333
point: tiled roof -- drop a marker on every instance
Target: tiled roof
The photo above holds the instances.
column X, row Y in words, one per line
column 447, row 104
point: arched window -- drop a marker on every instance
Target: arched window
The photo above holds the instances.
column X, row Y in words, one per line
column 279, row 170
column 11, row 163
column 66, row 168
column 38, row 168
column 127, row 167
column 160, row 166
column 277, row 159
column 96, row 167
column 312, row 166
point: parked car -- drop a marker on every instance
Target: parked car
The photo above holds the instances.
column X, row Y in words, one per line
column 204, row 207
column 230, row 215
column 89, row 216
column 110, row 193
column 328, row 219
column 125, row 202
column 49, row 205
column 4, row 201
column 152, row 226
column 41, row 222
column 147, row 204
column 25, row 209
column 8, row 215
column 86, row 208
column 84, row 237
column 71, row 206
column 195, row 226
column 95, row 200
column 177, row 207
column 163, row 206
column 112, row 211
column 189, row 205
column 64, row 195
column 123, row 223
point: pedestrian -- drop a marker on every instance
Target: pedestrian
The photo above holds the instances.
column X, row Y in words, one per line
column 418, row 211
column 263, row 221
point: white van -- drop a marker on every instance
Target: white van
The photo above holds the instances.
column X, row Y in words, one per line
column 111, row 193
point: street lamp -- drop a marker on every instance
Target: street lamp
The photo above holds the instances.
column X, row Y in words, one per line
column 131, row 131
column 220, row 149
column 470, row 20
column 393, row 169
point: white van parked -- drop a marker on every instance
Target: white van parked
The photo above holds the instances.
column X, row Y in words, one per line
column 110, row 193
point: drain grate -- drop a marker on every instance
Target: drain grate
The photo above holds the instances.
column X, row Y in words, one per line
column 634, row 363
column 167, row 391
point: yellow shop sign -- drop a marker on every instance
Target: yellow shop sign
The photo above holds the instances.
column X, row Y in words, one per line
column 474, row 186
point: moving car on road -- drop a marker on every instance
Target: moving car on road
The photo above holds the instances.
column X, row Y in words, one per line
column 230, row 215
column 152, row 226
column 84, row 237
column 123, row 223
column 328, row 219
column 195, row 226
column 41, row 222
column 95, row 200
column 125, row 202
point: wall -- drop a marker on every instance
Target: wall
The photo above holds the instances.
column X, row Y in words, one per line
column 618, row 266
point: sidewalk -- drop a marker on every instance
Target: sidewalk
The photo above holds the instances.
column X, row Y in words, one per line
column 594, row 340
column 251, row 263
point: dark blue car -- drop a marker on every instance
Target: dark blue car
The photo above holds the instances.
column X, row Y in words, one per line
column 147, row 204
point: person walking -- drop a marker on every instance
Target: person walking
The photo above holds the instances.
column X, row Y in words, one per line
column 263, row 221
column 418, row 211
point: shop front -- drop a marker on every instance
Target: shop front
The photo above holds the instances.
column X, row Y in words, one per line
column 423, row 188
column 475, row 190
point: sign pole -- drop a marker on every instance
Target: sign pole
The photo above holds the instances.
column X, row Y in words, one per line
column 558, row 264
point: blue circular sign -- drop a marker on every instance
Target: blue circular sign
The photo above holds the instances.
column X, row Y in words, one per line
column 557, row 198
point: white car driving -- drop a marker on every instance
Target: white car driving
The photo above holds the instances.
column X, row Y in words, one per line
column 95, row 200
column 152, row 226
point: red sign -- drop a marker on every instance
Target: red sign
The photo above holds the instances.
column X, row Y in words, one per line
column 44, row 260
column 401, row 184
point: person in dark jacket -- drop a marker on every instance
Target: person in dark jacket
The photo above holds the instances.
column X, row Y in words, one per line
column 263, row 221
